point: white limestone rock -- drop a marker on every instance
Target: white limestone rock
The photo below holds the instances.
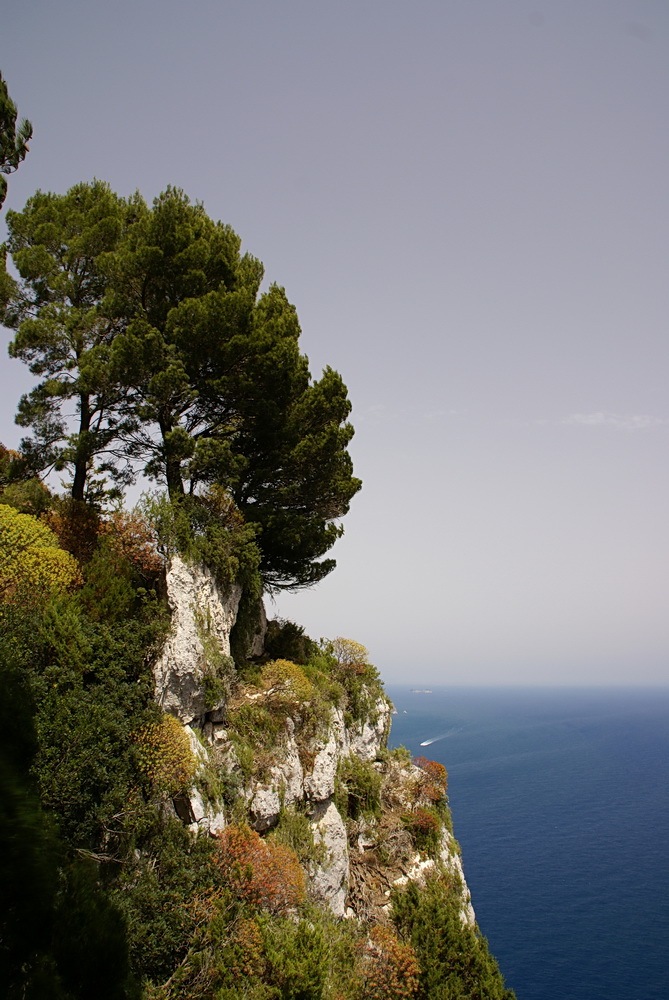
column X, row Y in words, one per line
column 328, row 882
column 366, row 739
column 200, row 609
column 319, row 785
column 285, row 785
column 421, row 867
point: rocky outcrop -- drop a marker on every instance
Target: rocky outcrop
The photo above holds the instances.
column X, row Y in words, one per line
column 329, row 880
column 421, row 868
column 202, row 618
column 283, row 788
column 356, row 863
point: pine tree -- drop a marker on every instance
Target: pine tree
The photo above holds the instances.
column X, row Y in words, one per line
column 63, row 336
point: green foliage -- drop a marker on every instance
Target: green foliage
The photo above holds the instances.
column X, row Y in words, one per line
column 287, row 685
column 158, row 889
column 400, row 754
column 166, row 756
column 454, row 960
column 209, row 530
column 296, row 832
column 57, row 243
column 150, row 320
column 59, row 935
column 108, row 593
column 285, row 640
column 32, row 564
column 92, row 688
column 14, row 138
column 360, row 680
column 425, row 826
column 298, row 957
column 358, row 788
column 18, row 488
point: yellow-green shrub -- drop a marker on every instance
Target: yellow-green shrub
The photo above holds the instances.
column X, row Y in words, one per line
column 32, row 564
column 166, row 757
column 287, row 681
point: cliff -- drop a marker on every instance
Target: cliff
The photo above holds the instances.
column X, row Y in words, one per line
column 295, row 742
column 197, row 826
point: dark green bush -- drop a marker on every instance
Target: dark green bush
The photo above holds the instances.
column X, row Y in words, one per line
column 454, row 959
column 358, row 788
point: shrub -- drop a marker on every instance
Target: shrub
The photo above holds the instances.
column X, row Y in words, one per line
column 76, row 525
column 425, row 827
column 436, row 779
column 350, row 655
column 358, row 788
column 207, row 529
column 296, row 832
column 263, row 873
column 287, row 682
column 108, row 593
column 359, row 679
column 131, row 535
column 389, row 969
column 32, row 564
column 166, row 757
column 454, row 960
column 286, row 640
column 298, row 958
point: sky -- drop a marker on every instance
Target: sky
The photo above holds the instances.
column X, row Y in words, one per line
column 467, row 201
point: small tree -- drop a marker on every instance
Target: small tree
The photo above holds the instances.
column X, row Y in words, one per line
column 350, row 654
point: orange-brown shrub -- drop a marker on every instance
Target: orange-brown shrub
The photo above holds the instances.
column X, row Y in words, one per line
column 436, row 778
column 263, row 873
column 131, row 535
column 389, row 969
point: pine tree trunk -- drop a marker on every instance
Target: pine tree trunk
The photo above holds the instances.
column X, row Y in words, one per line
column 82, row 454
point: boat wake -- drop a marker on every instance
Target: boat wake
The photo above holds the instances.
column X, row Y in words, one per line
column 435, row 739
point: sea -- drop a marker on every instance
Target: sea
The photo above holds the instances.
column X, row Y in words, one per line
column 560, row 802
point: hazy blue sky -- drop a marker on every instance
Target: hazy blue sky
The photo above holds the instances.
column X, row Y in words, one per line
column 467, row 200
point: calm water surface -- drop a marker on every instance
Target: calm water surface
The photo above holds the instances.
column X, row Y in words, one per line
column 560, row 801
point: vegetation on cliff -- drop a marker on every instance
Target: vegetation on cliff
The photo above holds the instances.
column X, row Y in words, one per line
column 149, row 322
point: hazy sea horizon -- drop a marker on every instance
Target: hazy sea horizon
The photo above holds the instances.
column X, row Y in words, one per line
column 560, row 801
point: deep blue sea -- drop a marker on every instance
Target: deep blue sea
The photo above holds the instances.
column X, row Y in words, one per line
column 560, row 801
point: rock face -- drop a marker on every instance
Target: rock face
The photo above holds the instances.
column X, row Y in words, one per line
column 301, row 774
column 305, row 778
column 329, row 881
column 202, row 619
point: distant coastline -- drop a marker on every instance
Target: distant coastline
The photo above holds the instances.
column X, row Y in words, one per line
column 420, row 691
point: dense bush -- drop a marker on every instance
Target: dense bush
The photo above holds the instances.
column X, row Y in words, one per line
column 358, row 790
column 264, row 873
column 425, row 827
column 166, row 756
column 32, row 564
column 454, row 960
